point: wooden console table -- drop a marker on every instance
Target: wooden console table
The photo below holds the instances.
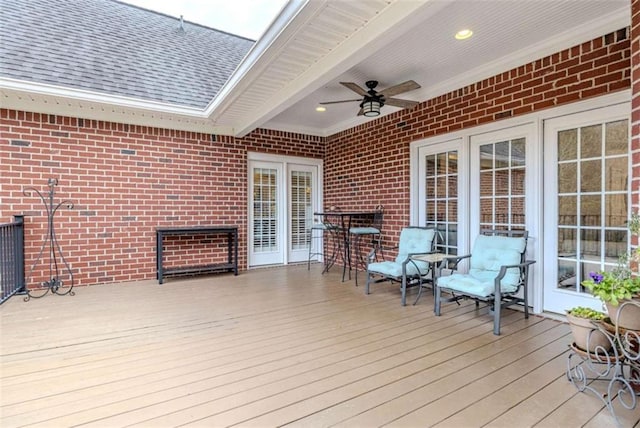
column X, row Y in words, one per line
column 232, row 250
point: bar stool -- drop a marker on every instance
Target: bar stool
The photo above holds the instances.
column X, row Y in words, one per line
column 373, row 232
column 323, row 236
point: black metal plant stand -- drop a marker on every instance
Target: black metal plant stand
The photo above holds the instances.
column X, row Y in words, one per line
column 55, row 284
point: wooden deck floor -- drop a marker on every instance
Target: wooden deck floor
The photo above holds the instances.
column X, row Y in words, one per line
column 280, row 346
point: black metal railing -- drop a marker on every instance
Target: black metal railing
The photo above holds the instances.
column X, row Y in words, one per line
column 12, row 258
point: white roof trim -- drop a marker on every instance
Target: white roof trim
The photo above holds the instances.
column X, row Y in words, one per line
column 97, row 97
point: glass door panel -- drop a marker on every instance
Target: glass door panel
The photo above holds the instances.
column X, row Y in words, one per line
column 265, row 216
column 438, row 193
column 303, row 202
column 501, row 192
column 590, row 155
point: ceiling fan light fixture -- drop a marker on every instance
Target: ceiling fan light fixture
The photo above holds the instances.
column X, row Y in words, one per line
column 371, row 106
column 321, row 109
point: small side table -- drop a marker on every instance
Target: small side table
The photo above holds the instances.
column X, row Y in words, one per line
column 433, row 259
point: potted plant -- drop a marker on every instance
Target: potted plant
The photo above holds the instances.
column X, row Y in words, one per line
column 620, row 284
column 584, row 327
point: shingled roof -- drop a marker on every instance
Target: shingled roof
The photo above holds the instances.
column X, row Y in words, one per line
column 116, row 48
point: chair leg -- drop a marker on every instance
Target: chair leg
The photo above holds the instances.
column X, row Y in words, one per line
column 366, row 287
column 497, row 310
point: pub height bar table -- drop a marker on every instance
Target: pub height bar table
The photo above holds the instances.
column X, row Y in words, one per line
column 345, row 220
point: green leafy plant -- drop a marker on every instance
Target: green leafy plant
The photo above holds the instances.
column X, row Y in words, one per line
column 622, row 282
column 587, row 313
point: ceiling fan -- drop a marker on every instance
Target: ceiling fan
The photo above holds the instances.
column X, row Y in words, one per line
column 372, row 100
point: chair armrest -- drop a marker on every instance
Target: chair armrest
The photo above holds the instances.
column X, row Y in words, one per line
column 451, row 262
column 372, row 254
column 503, row 269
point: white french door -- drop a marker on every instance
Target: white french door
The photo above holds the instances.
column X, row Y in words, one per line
column 284, row 192
column 587, row 176
column 440, row 183
column 502, row 184
column 266, row 214
column 303, row 201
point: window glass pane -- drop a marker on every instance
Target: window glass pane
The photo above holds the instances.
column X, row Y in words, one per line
column 616, row 174
column 615, row 210
column 590, row 176
column 517, row 181
column 486, row 183
column 442, row 163
column 502, row 155
column 441, row 210
column 453, row 162
column 567, row 274
column 518, row 152
column 517, row 211
column 486, row 156
column 452, row 214
column 502, row 182
column 615, row 244
column 616, row 138
column 568, row 177
column 567, row 242
column 568, row 145
column 453, row 186
column 591, row 141
column 430, row 165
column 501, row 207
column 590, row 244
column 441, row 186
column 430, row 187
column 431, row 211
column 486, row 210
column 567, row 210
column 590, row 211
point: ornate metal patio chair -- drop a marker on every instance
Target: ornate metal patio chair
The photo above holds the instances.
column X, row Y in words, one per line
column 498, row 271
column 358, row 238
column 324, row 241
column 413, row 241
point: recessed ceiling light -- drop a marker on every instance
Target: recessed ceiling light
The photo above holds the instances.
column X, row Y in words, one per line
column 321, row 108
column 464, row 34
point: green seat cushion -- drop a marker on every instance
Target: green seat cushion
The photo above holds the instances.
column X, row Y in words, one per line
column 394, row 269
column 488, row 255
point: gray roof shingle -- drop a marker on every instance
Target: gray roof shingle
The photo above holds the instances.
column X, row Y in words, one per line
column 116, row 48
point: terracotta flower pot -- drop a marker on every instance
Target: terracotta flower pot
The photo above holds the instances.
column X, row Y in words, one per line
column 584, row 331
column 627, row 316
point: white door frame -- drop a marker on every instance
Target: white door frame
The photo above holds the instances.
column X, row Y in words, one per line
column 283, row 185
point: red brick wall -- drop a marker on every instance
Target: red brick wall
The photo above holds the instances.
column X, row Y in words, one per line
column 371, row 161
column 125, row 181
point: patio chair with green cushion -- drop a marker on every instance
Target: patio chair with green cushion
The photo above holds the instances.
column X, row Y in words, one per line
column 497, row 272
column 413, row 241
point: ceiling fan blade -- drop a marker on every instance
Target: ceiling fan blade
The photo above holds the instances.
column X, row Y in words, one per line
column 397, row 102
column 354, row 87
column 361, row 112
column 407, row 86
column 336, row 102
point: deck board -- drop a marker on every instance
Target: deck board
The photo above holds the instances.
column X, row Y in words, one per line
column 280, row 346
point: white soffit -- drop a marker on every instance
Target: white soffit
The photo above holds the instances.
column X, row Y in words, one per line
column 323, row 41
